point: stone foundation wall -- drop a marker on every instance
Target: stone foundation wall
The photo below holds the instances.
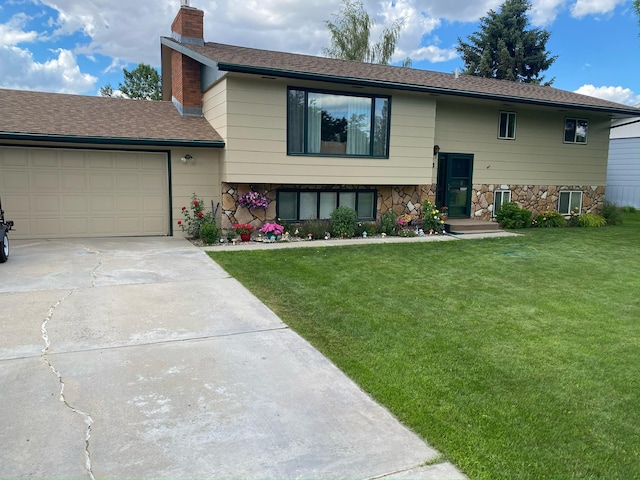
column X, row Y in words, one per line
column 408, row 199
column 537, row 198
column 405, row 199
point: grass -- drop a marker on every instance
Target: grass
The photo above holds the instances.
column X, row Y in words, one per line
column 515, row 357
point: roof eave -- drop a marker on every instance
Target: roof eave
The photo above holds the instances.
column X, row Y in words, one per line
column 147, row 142
column 230, row 67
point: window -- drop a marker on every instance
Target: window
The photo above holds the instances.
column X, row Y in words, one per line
column 569, row 201
column 323, row 123
column 293, row 206
column 500, row 197
column 575, row 130
column 507, row 127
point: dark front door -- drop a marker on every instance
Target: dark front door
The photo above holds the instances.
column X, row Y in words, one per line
column 454, row 183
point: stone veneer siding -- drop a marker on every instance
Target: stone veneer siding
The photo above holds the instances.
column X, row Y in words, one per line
column 408, row 199
column 537, row 198
column 404, row 199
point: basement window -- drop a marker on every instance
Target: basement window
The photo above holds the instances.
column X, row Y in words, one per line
column 569, row 201
column 500, row 197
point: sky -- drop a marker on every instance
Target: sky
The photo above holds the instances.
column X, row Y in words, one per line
column 72, row 46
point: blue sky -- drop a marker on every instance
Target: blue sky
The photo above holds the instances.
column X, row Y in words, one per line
column 76, row 46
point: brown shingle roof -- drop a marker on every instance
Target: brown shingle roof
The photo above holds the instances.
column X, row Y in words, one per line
column 74, row 117
column 265, row 62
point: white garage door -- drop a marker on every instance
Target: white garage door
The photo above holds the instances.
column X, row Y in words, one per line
column 54, row 192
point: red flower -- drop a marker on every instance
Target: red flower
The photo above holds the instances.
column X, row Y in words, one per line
column 179, row 222
column 195, row 203
column 200, row 214
column 184, row 208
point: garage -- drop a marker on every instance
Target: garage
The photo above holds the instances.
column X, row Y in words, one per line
column 75, row 192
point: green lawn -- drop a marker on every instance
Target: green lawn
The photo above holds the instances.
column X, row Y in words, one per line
column 515, row 357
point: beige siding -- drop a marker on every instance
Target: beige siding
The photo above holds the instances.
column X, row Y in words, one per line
column 538, row 155
column 200, row 176
column 254, row 129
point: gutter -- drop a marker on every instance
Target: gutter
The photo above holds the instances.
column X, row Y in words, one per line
column 155, row 142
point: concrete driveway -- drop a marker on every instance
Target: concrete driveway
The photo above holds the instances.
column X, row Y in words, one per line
column 140, row 358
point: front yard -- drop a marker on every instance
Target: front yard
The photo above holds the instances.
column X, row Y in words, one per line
column 515, row 357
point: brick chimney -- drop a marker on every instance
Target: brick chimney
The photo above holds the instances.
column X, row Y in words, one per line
column 187, row 28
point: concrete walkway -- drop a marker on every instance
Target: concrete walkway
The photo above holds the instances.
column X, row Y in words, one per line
column 141, row 358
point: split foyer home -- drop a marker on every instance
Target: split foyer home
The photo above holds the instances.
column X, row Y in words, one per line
column 309, row 133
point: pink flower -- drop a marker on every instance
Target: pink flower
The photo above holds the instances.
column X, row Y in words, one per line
column 195, row 203
column 184, row 208
column 200, row 214
column 179, row 222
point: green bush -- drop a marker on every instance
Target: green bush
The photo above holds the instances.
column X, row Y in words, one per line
column 370, row 227
column 317, row 228
column 209, row 233
column 590, row 220
column 629, row 209
column 549, row 219
column 344, row 221
column 194, row 218
column 511, row 215
column 612, row 213
column 388, row 224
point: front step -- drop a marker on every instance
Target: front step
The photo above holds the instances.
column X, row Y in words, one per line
column 459, row 226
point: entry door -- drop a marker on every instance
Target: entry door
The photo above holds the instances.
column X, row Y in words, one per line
column 454, row 183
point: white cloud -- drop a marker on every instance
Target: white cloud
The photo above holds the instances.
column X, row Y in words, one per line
column 433, row 54
column 614, row 94
column 544, row 12
column 20, row 71
column 593, row 7
column 12, row 33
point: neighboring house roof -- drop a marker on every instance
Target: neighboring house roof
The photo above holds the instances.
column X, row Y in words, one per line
column 264, row 62
column 28, row 115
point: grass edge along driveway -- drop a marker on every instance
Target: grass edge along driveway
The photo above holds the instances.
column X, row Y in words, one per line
column 515, row 357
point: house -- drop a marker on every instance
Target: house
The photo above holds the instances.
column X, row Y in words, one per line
column 310, row 133
column 623, row 167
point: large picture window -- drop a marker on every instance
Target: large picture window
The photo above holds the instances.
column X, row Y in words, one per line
column 299, row 205
column 575, row 130
column 325, row 123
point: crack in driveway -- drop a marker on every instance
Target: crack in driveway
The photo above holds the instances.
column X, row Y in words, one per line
column 88, row 420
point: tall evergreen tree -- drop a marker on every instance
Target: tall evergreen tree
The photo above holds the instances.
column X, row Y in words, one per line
column 505, row 49
column 351, row 33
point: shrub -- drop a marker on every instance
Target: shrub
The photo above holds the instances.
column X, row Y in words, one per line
column 210, row 233
column 344, row 222
column 370, row 227
column 590, row 220
column 629, row 209
column 195, row 217
column 317, row 228
column 431, row 218
column 511, row 215
column 549, row 219
column 612, row 213
column 388, row 224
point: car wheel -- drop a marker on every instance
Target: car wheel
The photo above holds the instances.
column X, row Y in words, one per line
column 4, row 251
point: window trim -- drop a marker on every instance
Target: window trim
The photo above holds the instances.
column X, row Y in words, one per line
column 564, row 131
column 344, row 93
column 501, row 191
column 508, row 115
column 571, row 193
column 318, row 203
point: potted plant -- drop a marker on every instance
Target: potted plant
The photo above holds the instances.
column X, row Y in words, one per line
column 272, row 230
column 244, row 230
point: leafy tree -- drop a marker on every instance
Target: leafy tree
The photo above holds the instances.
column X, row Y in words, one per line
column 143, row 83
column 505, row 49
column 351, row 33
column 636, row 7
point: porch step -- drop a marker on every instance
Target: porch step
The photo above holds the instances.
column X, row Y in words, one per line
column 468, row 225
